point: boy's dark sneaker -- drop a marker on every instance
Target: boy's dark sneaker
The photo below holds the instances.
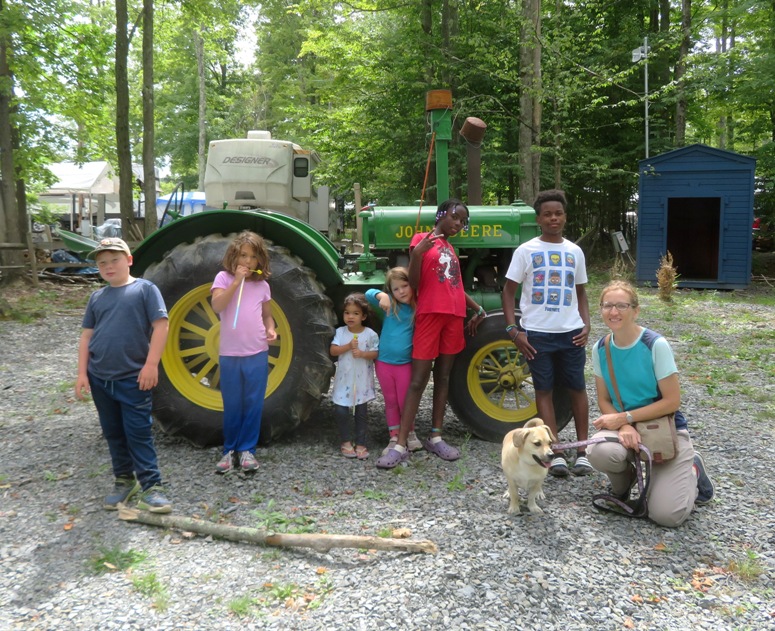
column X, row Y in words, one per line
column 559, row 467
column 154, row 501
column 582, row 466
column 705, row 487
column 124, row 488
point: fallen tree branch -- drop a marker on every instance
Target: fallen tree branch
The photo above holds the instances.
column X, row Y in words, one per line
column 318, row 542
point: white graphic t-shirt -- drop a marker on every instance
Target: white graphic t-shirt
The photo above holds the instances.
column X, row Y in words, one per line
column 549, row 273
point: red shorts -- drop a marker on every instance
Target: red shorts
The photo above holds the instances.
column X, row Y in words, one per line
column 437, row 334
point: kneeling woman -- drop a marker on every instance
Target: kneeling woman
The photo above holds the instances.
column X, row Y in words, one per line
column 647, row 377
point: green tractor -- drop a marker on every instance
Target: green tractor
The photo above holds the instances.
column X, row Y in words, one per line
column 265, row 185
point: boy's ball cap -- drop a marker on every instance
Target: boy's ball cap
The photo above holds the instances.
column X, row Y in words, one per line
column 112, row 243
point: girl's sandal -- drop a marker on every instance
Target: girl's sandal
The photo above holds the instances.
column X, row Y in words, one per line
column 347, row 450
column 361, row 452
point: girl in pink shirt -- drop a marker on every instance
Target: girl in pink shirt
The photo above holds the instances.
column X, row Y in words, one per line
column 241, row 297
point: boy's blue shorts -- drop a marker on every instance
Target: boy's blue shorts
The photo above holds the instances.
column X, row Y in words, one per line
column 558, row 361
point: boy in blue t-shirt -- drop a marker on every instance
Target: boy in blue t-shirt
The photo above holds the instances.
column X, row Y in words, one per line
column 124, row 332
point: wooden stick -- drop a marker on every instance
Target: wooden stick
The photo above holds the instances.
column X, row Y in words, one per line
column 318, row 542
column 239, row 301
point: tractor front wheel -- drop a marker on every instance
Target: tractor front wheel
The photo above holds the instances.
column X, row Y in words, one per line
column 491, row 389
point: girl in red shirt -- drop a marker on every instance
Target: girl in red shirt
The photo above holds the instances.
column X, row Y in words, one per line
column 434, row 274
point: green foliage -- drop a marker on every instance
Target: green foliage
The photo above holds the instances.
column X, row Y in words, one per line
column 150, row 586
column 276, row 521
column 748, row 567
column 349, row 81
column 116, row 560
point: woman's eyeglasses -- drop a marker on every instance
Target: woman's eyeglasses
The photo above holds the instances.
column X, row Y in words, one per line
column 620, row 306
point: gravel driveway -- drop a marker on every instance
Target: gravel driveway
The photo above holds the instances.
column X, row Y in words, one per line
column 571, row 568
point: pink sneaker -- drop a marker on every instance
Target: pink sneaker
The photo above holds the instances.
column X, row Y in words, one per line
column 225, row 464
column 247, row 461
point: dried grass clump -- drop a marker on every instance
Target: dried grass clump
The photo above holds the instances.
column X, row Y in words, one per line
column 667, row 278
column 620, row 270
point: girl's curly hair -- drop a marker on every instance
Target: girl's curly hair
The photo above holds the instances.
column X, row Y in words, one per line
column 255, row 241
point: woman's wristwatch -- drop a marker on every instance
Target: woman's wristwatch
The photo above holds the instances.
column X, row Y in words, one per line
column 628, row 417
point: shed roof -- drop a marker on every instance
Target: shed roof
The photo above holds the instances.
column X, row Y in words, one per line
column 700, row 152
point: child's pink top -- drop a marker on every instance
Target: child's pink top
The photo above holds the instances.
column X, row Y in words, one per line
column 249, row 338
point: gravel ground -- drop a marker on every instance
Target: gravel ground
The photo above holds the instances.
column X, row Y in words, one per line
column 571, row 568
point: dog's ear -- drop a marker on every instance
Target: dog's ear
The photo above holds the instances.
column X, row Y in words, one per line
column 534, row 422
column 518, row 437
column 552, row 437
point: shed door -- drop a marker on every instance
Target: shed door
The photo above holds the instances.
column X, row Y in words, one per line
column 693, row 229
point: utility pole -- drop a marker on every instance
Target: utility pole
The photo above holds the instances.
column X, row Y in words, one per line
column 642, row 52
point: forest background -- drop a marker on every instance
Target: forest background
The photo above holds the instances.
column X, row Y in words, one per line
column 555, row 82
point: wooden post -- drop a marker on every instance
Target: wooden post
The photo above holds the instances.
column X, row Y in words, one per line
column 358, row 221
column 33, row 259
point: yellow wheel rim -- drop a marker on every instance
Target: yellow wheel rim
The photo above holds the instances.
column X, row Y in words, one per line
column 500, row 384
column 190, row 357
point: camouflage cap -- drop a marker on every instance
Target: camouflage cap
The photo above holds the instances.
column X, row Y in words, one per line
column 112, row 243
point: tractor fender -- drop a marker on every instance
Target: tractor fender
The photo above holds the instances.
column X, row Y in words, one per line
column 317, row 252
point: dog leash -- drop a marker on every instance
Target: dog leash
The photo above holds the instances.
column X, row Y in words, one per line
column 602, row 501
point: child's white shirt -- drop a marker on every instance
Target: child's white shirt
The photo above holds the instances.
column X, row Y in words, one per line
column 354, row 380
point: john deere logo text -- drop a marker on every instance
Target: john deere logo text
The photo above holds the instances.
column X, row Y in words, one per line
column 492, row 231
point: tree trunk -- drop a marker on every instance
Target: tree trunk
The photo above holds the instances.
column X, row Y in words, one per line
column 200, row 68
column 529, row 114
column 722, row 48
column 123, row 149
column 681, row 105
column 149, row 134
column 537, row 102
column 12, row 222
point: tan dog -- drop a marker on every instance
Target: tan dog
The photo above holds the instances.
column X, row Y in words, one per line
column 525, row 458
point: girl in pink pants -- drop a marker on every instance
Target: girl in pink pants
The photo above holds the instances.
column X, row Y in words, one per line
column 394, row 364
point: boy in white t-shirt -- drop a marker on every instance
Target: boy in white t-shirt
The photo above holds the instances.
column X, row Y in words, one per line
column 554, row 326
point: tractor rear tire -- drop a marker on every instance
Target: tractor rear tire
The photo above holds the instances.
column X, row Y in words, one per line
column 187, row 402
column 491, row 389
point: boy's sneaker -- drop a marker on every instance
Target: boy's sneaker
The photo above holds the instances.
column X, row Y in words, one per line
column 225, row 464
column 154, row 501
column 559, row 467
column 123, row 489
column 247, row 461
column 392, row 443
column 705, row 487
column 582, row 466
column 413, row 443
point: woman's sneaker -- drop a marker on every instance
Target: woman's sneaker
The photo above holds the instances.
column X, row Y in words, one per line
column 225, row 464
column 413, row 443
column 705, row 487
column 124, row 488
column 154, row 501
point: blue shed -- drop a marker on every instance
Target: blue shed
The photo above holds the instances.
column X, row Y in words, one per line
column 697, row 203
